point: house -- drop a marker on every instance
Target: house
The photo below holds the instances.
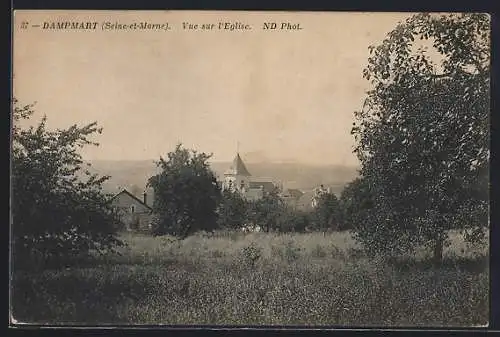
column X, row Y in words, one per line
column 319, row 192
column 293, row 193
column 305, row 202
column 292, row 196
column 238, row 178
column 134, row 213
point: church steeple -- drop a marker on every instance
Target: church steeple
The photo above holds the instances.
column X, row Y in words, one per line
column 237, row 176
column 238, row 168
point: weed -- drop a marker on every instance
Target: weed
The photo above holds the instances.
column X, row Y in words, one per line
column 318, row 251
column 250, row 254
column 291, row 251
column 198, row 281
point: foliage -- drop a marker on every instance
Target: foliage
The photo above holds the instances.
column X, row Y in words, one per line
column 186, row 194
column 327, row 213
column 319, row 251
column 251, row 254
column 58, row 208
column 205, row 289
column 423, row 134
column 294, row 220
column 291, row 252
column 356, row 204
column 232, row 210
column 269, row 211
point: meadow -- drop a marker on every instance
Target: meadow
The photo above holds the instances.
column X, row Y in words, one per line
column 231, row 278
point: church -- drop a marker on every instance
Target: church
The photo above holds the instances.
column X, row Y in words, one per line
column 237, row 178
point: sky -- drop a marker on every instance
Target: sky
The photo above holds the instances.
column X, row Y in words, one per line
column 283, row 95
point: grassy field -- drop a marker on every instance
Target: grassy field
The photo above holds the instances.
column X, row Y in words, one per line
column 258, row 278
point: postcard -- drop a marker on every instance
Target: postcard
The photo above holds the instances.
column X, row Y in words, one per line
column 250, row 169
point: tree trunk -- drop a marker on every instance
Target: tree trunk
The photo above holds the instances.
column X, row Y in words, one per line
column 437, row 257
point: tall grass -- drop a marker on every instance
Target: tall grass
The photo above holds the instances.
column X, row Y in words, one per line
column 258, row 278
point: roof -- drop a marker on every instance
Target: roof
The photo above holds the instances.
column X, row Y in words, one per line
column 238, row 167
column 253, row 194
column 267, row 185
column 293, row 192
column 305, row 200
column 124, row 191
column 262, row 179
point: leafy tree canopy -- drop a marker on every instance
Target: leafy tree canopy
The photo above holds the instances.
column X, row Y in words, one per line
column 58, row 207
column 327, row 212
column 233, row 210
column 423, row 133
column 186, row 193
column 269, row 211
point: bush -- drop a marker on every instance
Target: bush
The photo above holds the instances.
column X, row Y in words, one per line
column 318, row 251
column 291, row 252
column 183, row 289
column 327, row 213
column 232, row 211
column 59, row 209
column 251, row 254
column 268, row 212
column 294, row 221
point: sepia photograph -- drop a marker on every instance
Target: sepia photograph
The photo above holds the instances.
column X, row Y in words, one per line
column 250, row 169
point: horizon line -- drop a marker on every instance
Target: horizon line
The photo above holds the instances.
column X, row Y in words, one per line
column 230, row 160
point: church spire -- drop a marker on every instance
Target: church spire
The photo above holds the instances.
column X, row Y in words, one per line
column 239, row 167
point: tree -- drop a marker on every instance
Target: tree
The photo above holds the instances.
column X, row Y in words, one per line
column 423, row 134
column 327, row 213
column 232, row 210
column 186, row 194
column 58, row 208
column 269, row 211
column 356, row 205
column 295, row 220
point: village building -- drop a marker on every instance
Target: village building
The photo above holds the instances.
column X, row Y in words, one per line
column 291, row 196
column 305, row 202
column 135, row 214
column 309, row 200
column 238, row 179
column 318, row 193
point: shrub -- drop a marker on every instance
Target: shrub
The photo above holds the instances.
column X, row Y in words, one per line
column 318, row 251
column 217, row 253
column 336, row 253
column 353, row 253
column 295, row 221
column 189, row 290
column 59, row 209
column 251, row 254
column 232, row 211
column 327, row 213
column 291, row 252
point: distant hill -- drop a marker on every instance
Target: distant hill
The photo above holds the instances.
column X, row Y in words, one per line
column 130, row 174
column 134, row 174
